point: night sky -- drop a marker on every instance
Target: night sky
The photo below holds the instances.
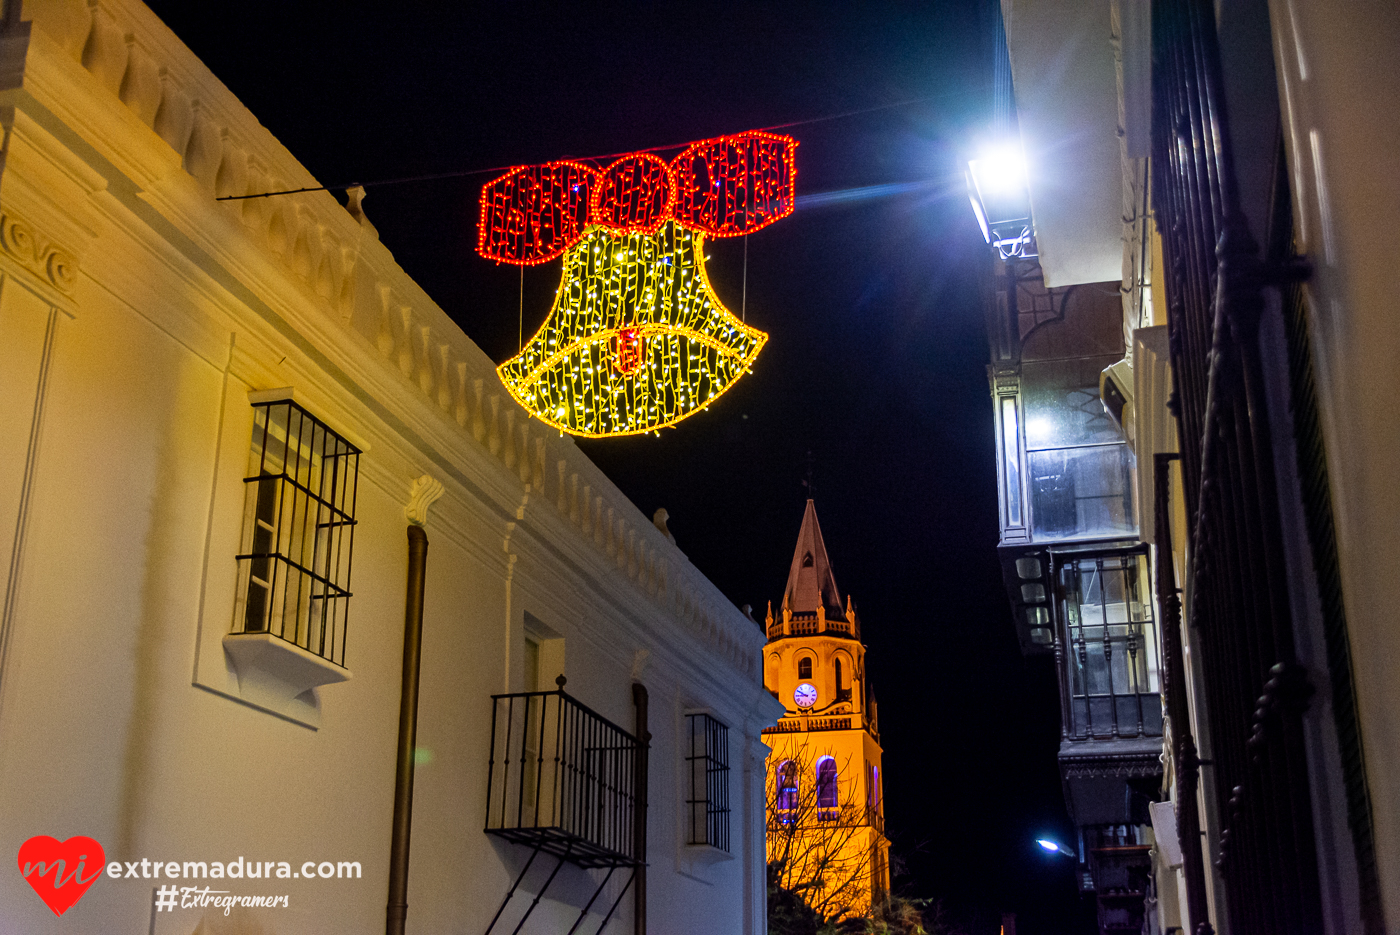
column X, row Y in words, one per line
column 876, row 361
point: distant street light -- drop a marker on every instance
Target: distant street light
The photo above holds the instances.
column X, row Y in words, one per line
column 1055, row 847
column 997, row 188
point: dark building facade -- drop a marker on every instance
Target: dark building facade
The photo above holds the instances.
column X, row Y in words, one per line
column 1192, row 366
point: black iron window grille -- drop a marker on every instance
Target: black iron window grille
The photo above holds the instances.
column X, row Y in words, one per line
column 708, row 766
column 1110, row 666
column 298, row 531
column 562, row 779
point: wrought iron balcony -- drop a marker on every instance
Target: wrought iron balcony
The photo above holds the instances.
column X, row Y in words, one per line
column 563, row 779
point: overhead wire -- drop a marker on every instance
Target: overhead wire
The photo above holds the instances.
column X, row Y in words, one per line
column 466, row 173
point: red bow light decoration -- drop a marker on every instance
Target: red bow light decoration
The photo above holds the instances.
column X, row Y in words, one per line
column 723, row 187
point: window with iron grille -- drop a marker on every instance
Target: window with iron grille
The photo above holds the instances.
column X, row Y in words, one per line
column 1110, row 667
column 298, row 531
column 708, row 764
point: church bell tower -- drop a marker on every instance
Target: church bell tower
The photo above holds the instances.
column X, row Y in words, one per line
column 825, row 802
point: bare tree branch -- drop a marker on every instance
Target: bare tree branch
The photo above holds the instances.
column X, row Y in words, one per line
column 820, row 840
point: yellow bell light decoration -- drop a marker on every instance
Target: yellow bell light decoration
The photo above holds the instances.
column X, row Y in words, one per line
column 637, row 339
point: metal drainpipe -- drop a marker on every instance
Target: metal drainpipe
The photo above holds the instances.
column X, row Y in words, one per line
column 639, row 821
column 408, row 731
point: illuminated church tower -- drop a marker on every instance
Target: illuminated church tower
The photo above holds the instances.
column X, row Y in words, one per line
column 825, row 807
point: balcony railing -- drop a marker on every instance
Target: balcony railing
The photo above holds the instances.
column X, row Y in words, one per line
column 844, row 816
column 563, row 779
column 810, row 625
column 1107, row 647
column 797, row 725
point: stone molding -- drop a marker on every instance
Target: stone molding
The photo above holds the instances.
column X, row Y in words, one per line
column 42, row 257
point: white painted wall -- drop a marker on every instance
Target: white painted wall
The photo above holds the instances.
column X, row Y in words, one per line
column 1340, row 97
column 136, row 314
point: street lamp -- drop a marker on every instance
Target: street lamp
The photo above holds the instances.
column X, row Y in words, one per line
column 996, row 186
column 1055, row 847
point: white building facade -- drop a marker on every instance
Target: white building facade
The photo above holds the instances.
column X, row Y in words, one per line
column 164, row 357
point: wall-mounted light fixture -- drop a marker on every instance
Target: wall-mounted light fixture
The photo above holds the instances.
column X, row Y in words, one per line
column 996, row 186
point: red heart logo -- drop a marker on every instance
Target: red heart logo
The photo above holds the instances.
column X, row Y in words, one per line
column 56, row 868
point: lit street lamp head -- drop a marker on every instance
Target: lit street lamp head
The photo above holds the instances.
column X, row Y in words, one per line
column 1056, row 847
column 1000, row 171
column 997, row 188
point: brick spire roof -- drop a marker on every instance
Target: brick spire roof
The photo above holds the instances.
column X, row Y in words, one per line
column 810, row 581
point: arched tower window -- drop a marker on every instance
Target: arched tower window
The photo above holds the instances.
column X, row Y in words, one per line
column 827, row 803
column 787, row 788
column 804, row 667
column 840, row 682
column 807, row 560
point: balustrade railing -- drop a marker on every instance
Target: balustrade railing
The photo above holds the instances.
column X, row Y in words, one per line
column 842, row 816
column 810, row 625
column 562, row 778
column 1107, row 648
column 799, row 724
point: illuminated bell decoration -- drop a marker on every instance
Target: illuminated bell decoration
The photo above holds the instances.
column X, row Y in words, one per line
column 637, row 339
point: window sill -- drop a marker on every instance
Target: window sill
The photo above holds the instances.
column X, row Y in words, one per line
column 706, row 854
column 279, row 676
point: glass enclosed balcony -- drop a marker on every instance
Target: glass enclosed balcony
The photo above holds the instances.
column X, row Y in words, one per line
column 1109, row 680
column 1078, row 465
column 1065, row 471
